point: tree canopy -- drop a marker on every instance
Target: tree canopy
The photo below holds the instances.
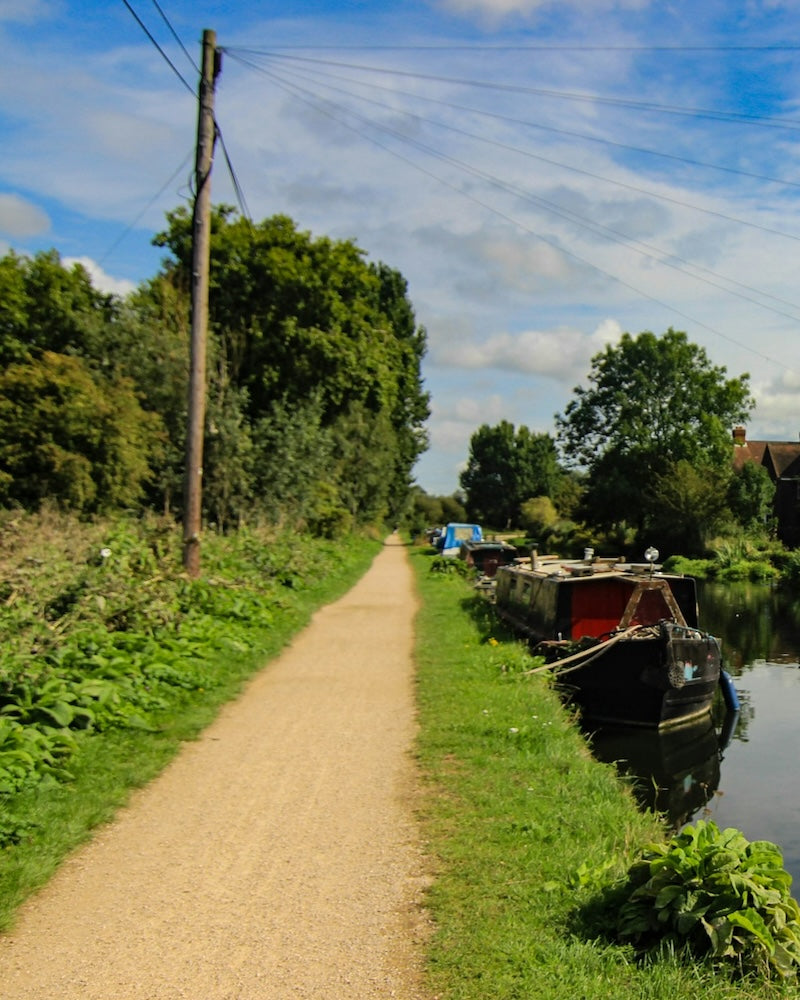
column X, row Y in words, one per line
column 72, row 437
column 655, row 407
column 506, row 467
column 299, row 319
column 316, row 407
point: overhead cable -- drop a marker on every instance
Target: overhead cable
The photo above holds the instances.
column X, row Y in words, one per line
column 164, row 55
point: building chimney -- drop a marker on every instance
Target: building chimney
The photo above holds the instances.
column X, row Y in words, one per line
column 739, row 436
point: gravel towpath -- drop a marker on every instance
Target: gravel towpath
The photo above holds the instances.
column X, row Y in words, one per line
column 277, row 856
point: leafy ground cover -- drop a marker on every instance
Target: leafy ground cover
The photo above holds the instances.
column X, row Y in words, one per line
column 110, row 657
column 531, row 839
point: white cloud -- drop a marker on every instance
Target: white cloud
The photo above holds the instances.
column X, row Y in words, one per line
column 20, row 218
column 102, row 282
column 26, row 11
column 560, row 354
column 496, row 10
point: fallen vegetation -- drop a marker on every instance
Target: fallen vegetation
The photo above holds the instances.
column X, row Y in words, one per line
column 110, row 657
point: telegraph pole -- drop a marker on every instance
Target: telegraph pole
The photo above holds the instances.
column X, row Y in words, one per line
column 201, row 246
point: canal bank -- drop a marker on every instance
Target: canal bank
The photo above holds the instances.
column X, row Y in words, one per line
column 526, row 830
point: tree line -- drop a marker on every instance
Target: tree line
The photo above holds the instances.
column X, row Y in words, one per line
column 315, row 405
column 642, row 453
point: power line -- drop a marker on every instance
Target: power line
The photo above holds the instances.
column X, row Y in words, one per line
column 532, row 47
column 149, row 205
column 313, row 101
column 623, row 102
column 647, row 250
column 580, row 170
column 164, row 55
column 234, row 179
column 584, row 136
column 174, row 34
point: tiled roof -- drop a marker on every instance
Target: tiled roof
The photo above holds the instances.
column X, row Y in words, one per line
column 751, row 451
column 785, row 457
column 782, row 457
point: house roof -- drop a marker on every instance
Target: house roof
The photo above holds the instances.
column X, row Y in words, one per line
column 750, row 451
column 785, row 457
column 782, row 458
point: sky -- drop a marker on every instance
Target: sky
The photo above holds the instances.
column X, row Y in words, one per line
column 546, row 175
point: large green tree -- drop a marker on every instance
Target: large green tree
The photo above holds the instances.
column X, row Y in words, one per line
column 72, row 436
column 45, row 306
column 654, row 408
column 507, row 466
column 73, row 428
column 151, row 348
column 298, row 319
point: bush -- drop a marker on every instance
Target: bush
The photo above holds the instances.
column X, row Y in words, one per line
column 715, row 895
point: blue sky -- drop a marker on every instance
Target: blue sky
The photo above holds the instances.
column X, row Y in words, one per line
column 546, row 175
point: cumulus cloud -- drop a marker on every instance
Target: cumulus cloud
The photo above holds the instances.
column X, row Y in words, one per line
column 102, row 282
column 20, row 218
column 775, row 417
column 558, row 353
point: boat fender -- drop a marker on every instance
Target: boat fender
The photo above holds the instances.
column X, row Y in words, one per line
column 729, row 695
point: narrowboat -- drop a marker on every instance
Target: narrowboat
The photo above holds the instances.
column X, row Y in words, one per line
column 486, row 556
column 622, row 639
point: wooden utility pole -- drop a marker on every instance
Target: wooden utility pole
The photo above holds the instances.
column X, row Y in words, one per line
column 201, row 246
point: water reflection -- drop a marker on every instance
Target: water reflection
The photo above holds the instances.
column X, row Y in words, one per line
column 756, row 622
column 738, row 771
column 674, row 772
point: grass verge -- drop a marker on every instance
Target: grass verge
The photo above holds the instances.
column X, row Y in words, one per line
column 526, row 830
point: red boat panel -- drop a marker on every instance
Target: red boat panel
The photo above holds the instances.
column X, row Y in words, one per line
column 597, row 606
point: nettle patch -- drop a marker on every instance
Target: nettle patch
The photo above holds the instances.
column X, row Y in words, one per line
column 714, row 894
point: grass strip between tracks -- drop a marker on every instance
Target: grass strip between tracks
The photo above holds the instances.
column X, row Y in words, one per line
column 526, row 831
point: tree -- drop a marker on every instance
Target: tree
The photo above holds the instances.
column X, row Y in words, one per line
column 652, row 402
column 297, row 318
column 69, row 435
column 151, row 348
column 506, row 467
column 538, row 515
column 290, row 446
column 426, row 511
column 687, row 504
column 47, row 307
column 751, row 494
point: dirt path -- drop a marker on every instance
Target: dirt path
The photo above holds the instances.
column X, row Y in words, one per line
column 276, row 857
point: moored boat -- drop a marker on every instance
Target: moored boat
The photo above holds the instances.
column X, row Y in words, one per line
column 485, row 556
column 623, row 639
column 448, row 541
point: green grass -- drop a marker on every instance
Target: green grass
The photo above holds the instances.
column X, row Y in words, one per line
column 527, row 833
column 237, row 618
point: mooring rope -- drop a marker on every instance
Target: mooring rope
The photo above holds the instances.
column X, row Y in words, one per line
column 585, row 656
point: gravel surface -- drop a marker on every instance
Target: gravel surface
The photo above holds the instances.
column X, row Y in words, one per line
column 277, row 856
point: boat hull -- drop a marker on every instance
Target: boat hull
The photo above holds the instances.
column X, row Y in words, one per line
column 624, row 649
column 660, row 681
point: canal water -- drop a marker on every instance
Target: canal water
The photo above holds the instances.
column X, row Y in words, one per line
column 738, row 770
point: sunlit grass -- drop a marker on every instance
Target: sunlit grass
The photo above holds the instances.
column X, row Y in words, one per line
column 527, row 833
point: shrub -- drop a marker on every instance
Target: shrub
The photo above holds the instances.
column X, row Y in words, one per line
column 449, row 565
column 715, row 895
